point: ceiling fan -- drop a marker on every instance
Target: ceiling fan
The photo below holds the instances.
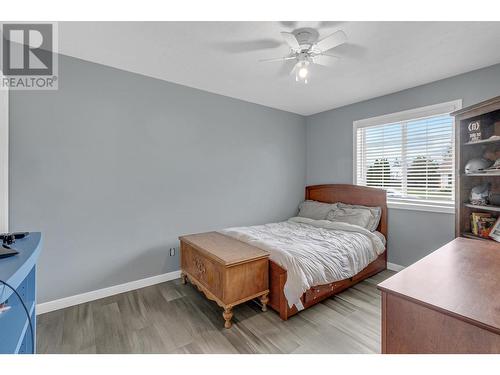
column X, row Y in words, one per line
column 306, row 49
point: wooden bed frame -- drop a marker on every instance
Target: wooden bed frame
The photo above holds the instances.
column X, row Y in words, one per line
column 350, row 194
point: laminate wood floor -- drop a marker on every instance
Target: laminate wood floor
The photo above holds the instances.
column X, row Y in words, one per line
column 176, row 318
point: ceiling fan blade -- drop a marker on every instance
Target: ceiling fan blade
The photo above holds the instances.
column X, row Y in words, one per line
column 331, row 41
column 325, row 60
column 278, row 59
column 243, row 46
column 291, row 41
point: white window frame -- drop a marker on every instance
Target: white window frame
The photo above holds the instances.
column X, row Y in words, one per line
column 411, row 114
column 4, row 159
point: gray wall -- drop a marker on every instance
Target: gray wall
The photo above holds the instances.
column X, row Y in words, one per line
column 412, row 234
column 114, row 166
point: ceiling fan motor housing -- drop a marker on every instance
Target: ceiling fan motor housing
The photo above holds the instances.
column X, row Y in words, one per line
column 306, row 37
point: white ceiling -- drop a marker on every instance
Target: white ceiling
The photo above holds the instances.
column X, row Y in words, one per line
column 222, row 57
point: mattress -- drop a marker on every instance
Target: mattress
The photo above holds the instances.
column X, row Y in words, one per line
column 314, row 252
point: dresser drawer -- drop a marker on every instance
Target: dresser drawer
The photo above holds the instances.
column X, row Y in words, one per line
column 203, row 269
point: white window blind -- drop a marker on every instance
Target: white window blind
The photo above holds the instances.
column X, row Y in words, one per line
column 412, row 159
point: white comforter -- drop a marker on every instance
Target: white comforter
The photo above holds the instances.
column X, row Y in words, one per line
column 313, row 252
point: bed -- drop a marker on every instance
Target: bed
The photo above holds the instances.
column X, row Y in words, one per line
column 332, row 193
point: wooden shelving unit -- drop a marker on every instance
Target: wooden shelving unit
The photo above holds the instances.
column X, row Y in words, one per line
column 491, row 174
column 482, row 208
column 470, row 235
column 482, row 142
column 488, row 112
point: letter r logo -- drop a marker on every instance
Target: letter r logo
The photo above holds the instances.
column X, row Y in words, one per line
column 27, row 49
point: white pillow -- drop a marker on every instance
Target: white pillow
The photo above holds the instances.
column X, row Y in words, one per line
column 315, row 210
column 375, row 213
column 353, row 216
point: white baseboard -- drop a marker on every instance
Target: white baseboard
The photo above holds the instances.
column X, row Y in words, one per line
column 62, row 303
column 57, row 304
column 395, row 267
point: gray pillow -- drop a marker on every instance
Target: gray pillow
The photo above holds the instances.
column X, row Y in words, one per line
column 354, row 216
column 315, row 210
column 375, row 213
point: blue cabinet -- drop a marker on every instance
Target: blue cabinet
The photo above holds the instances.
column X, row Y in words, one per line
column 19, row 271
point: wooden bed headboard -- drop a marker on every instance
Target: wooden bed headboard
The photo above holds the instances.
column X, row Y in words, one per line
column 351, row 194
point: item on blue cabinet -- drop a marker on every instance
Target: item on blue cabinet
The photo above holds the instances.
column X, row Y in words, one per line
column 7, row 251
column 10, row 238
column 479, row 195
column 477, row 165
column 4, row 307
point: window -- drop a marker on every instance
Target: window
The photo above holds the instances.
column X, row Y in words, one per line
column 411, row 155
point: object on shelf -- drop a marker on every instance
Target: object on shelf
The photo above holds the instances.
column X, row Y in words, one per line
column 491, row 154
column 474, row 129
column 478, row 130
column 495, row 231
column 474, row 219
column 494, row 168
column 477, row 165
column 485, row 225
column 496, row 130
column 482, row 223
column 494, row 198
column 479, row 195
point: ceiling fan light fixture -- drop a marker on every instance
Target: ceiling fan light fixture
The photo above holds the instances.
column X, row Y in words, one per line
column 302, row 71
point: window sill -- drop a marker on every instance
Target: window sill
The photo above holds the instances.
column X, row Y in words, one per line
column 445, row 209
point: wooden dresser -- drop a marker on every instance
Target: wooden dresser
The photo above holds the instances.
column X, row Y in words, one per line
column 448, row 302
column 226, row 270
